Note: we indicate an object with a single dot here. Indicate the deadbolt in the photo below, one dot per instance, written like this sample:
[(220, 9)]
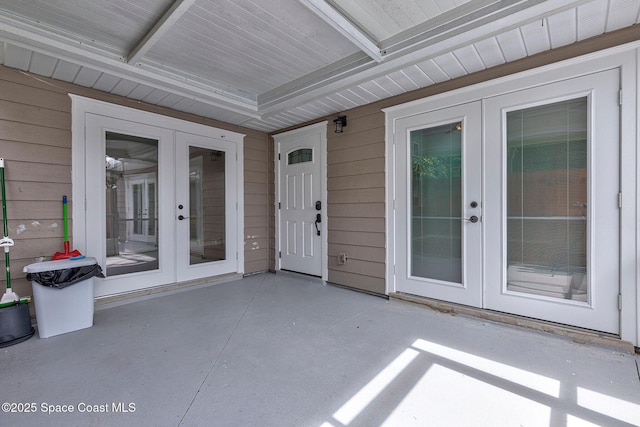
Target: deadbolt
[(474, 204)]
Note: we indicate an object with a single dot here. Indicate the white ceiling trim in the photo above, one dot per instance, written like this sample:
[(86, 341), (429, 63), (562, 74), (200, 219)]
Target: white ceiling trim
[(430, 49), (46, 42), (177, 9), (345, 27)]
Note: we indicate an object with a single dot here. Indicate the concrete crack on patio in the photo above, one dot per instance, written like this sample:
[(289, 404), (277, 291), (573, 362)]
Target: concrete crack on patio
[(215, 362)]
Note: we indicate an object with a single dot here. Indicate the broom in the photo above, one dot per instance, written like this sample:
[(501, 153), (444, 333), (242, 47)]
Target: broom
[(67, 252), (9, 298)]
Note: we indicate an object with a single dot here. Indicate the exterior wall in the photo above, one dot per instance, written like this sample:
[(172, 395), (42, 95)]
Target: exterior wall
[(356, 200), (356, 168), (35, 140)]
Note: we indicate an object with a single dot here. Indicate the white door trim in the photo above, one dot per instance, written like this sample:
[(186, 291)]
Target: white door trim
[(82, 106), (318, 128)]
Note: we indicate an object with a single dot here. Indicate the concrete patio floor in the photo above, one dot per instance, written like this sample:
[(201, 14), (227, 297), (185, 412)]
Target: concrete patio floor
[(279, 350)]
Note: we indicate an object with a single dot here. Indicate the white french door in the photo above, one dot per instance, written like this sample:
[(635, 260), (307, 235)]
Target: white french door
[(118, 153), (162, 205), (539, 168), (551, 204), (439, 200), (205, 206)]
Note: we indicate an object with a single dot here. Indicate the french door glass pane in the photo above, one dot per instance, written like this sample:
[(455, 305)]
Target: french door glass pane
[(131, 169), (207, 222), (436, 240), (547, 200)]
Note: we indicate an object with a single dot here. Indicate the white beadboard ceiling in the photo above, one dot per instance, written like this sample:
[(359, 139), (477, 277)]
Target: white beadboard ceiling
[(268, 65)]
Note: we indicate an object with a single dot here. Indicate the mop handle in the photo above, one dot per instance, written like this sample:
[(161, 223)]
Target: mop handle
[(4, 199), (6, 227), (64, 215)]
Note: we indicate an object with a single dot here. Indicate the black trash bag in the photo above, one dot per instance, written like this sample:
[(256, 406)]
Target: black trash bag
[(65, 276)]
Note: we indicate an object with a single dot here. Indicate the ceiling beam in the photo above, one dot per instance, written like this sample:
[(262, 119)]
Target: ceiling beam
[(345, 27), (516, 14), (84, 54), (177, 9)]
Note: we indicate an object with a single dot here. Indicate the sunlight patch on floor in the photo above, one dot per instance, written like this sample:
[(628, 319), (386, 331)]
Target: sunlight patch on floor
[(609, 405), (461, 388), (368, 393), (518, 376), (445, 397)]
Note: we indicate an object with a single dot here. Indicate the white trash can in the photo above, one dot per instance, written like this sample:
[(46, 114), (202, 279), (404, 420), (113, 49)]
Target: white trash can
[(66, 309)]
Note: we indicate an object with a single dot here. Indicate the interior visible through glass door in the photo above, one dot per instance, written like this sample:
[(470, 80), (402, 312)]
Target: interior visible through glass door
[(207, 219), (131, 169), (547, 200), (436, 194)]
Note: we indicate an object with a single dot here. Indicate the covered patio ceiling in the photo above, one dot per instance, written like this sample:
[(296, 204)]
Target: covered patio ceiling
[(269, 65)]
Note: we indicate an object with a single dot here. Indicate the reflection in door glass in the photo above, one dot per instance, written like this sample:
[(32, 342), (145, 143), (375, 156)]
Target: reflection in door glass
[(207, 221), (436, 162), (547, 200), (131, 169)]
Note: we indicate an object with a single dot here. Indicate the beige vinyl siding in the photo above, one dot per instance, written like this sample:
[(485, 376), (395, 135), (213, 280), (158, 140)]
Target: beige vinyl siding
[(256, 196), (355, 195), (35, 140)]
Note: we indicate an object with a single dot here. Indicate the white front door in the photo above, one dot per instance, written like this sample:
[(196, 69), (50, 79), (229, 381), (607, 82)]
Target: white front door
[(439, 200), (300, 204)]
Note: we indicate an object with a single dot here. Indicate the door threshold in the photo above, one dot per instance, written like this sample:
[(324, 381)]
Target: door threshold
[(302, 276), (109, 301), (575, 334)]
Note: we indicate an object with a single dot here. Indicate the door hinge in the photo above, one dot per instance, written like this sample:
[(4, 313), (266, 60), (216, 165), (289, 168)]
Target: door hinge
[(278, 156), (620, 97), (620, 302), (279, 205), (620, 200), (280, 254)]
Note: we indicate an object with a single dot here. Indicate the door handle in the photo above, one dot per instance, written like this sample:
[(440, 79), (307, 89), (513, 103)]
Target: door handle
[(318, 221), (181, 217), (473, 219)]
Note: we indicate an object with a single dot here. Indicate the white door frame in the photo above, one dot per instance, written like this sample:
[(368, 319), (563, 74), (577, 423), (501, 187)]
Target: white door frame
[(321, 129), (625, 58), (83, 107)]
